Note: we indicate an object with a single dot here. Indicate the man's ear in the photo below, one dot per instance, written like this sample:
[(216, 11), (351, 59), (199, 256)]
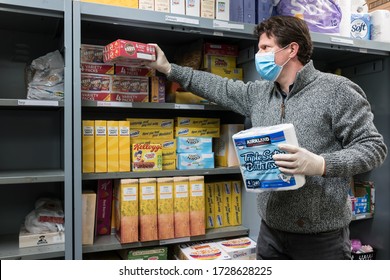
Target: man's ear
[(294, 47)]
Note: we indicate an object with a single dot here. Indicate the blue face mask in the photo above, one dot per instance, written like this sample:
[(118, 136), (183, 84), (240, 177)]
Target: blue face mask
[(266, 66)]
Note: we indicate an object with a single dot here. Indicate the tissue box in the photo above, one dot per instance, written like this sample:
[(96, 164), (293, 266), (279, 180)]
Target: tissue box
[(186, 161)]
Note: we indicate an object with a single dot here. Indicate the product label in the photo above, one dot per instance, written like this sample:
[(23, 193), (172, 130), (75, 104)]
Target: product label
[(256, 163)]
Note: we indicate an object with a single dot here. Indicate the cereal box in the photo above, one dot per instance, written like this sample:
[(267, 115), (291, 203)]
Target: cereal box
[(210, 204), (103, 207), (88, 146), (165, 208), (219, 211), (197, 205), (235, 209), (214, 61), (150, 123), (151, 133), (197, 122), (146, 157), (126, 210), (124, 146), (181, 207), (148, 209), (169, 164), (220, 49), (91, 53), (112, 146), (197, 131), (95, 96), (227, 202), (100, 146), (123, 51)]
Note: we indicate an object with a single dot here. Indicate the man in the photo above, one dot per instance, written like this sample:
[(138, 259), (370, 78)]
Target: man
[(335, 130)]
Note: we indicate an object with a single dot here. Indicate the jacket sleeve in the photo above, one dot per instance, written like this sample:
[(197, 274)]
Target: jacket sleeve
[(363, 146), (228, 93)]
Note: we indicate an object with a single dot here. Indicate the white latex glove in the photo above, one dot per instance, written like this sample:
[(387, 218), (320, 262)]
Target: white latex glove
[(299, 161), (161, 64)]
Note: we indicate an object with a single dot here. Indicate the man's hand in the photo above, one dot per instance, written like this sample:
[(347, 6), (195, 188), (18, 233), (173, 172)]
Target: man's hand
[(299, 161), (161, 64)]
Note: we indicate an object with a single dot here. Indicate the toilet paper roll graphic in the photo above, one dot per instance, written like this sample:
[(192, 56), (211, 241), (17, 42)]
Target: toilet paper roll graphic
[(380, 22), (255, 148)]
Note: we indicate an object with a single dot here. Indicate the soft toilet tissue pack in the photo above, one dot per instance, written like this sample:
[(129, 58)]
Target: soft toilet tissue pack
[(255, 148)]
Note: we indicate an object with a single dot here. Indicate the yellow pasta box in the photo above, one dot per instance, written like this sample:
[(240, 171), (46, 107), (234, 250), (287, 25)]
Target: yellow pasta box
[(124, 146), (121, 3), (197, 122), (126, 210), (150, 123), (236, 208), (219, 216), (210, 205), (169, 164), (181, 207), (100, 146), (88, 146), (165, 208), (146, 157), (197, 205), (148, 209), (112, 146), (227, 202)]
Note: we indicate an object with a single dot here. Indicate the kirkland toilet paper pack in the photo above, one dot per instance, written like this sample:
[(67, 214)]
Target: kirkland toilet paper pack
[(255, 148)]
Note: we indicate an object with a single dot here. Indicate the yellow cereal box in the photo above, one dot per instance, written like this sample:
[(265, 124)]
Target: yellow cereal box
[(210, 205), (230, 73), (219, 215), (165, 208), (146, 157), (126, 210), (88, 146), (227, 202), (124, 146), (197, 122), (151, 133), (147, 209), (169, 164), (122, 3), (197, 205), (112, 146), (168, 146), (219, 61), (150, 123), (197, 131), (100, 146), (181, 207), (236, 204)]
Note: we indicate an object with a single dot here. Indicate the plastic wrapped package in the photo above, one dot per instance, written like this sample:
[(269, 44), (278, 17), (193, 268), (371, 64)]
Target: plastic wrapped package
[(322, 16)]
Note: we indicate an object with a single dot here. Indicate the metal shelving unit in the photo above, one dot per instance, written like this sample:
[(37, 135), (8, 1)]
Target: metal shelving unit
[(36, 150)]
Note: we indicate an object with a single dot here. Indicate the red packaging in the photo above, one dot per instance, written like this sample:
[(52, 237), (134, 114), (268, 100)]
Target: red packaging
[(220, 49), (97, 68), (129, 97), (127, 84), (103, 207), (95, 82), (95, 96), (134, 71), (128, 52), (91, 53)]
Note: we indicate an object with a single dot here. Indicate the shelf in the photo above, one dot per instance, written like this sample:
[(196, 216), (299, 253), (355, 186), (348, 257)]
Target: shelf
[(165, 173), (110, 242), (31, 176), (35, 7), (22, 103), (150, 105), (363, 216), (9, 249)]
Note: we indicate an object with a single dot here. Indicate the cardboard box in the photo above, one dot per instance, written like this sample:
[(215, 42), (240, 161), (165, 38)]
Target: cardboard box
[(178, 7), (214, 61), (100, 146), (219, 211), (104, 198), (242, 248), (210, 205), (224, 151), (112, 146), (28, 239), (222, 8), (220, 49), (187, 161), (193, 8), (88, 146), (156, 253), (95, 83), (97, 68), (197, 131), (121, 3), (133, 71), (95, 96), (162, 6), (129, 84), (146, 157), (169, 164), (151, 133), (129, 97), (146, 5), (227, 202), (197, 205), (202, 251), (88, 217), (197, 122), (128, 52), (91, 53), (230, 73), (374, 5), (124, 146), (150, 123), (157, 89), (165, 208), (148, 209), (235, 208), (207, 9), (203, 145), (126, 210), (181, 206)]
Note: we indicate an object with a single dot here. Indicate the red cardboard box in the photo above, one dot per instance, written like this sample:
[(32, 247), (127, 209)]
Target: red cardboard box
[(220, 49), (128, 51), (103, 207), (95, 82), (134, 71), (95, 96), (129, 97), (97, 68)]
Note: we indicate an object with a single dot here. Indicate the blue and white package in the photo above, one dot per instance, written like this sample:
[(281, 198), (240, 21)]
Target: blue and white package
[(255, 148), (187, 161), (194, 145), (361, 26)]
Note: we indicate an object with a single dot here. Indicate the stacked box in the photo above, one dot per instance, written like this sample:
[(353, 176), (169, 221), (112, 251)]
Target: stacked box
[(88, 217), (129, 89), (147, 209), (197, 205), (103, 206), (194, 145), (219, 210), (197, 122), (91, 53), (181, 206), (121, 3), (236, 203), (225, 153), (201, 251), (187, 161), (242, 248), (128, 52), (197, 131), (193, 8), (126, 210), (124, 146), (133, 71), (88, 146), (156, 253), (227, 202), (162, 6), (28, 239), (112, 146), (207, 8), (100, 146), (165, 208), (210, 205), (146, 157), (222, 8), (157, 89)]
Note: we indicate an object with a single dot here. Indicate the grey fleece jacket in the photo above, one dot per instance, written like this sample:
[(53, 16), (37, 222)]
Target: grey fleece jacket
[(332, 118)]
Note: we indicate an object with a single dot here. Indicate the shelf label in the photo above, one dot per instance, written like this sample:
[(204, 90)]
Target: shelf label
[(182, 20), (227, 25), (341, 40), (175, 240), (187, 106), (114, 104), (28, 102)]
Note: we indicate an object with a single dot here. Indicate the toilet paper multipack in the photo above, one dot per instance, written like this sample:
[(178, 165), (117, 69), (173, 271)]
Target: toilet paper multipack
[(255, 148)]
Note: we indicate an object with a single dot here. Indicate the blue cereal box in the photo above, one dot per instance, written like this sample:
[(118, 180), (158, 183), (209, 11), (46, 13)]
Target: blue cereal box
[(186, 161), (202, 145)]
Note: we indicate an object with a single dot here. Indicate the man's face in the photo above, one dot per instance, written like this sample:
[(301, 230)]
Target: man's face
[(268, 44)]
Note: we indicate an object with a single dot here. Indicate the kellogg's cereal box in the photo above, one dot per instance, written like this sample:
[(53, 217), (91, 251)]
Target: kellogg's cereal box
[(146, 157)]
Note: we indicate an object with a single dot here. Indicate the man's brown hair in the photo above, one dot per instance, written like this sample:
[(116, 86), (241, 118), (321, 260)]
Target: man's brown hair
[(288, 29)]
